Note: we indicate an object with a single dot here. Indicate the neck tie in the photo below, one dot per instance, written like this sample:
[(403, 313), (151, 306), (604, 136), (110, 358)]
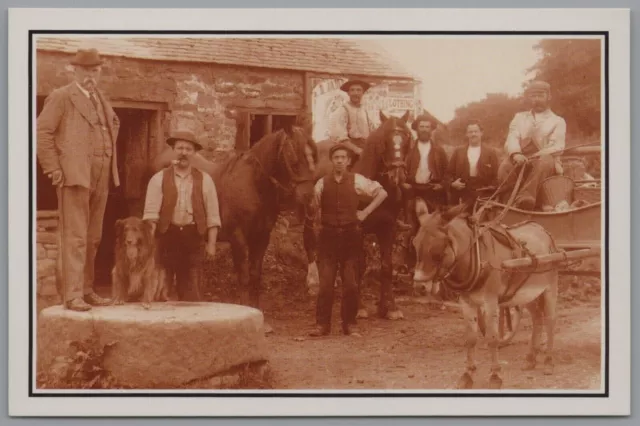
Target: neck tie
[(93, 99)]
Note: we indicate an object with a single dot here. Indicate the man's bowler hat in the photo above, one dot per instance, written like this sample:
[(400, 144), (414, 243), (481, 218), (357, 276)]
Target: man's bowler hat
[(183, 135), (87, 58)]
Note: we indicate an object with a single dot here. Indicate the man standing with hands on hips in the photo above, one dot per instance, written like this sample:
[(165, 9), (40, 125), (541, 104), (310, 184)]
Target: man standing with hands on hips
[(182, 205), (77, 132), (340, 243)]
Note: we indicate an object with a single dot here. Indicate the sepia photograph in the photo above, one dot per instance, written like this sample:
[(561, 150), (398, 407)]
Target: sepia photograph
[(249, 213)]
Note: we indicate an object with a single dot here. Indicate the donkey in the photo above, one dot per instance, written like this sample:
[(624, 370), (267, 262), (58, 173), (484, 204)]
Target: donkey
[(466, 259)]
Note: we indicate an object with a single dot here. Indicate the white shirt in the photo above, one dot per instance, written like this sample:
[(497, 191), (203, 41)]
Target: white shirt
[(473, 155), (350, 122), (423, 174), (546, 129)]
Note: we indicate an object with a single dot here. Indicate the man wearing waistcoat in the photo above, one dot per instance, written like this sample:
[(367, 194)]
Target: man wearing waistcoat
[(340, 243), (533, 137), (350, 123), (182, 205), (76, 137), (472, 167)]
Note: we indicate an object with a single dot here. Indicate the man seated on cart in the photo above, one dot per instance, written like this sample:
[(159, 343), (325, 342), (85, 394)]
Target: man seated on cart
[(473, 168), (534, 136)]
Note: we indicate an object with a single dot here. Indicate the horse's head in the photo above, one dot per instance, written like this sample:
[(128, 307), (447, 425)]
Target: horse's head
[(434, 244), (394, 139), (297, 159)]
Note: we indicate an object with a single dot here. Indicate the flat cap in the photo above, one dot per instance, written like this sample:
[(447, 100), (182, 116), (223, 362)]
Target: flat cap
[(337, 147), (538, 86)]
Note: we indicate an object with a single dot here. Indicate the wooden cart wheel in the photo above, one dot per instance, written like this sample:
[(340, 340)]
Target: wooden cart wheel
[(508, 324)]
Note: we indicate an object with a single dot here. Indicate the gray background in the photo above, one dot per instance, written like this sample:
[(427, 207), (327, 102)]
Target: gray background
[(633, 4)]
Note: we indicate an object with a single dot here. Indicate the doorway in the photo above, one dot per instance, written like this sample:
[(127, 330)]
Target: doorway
[(135, 142)]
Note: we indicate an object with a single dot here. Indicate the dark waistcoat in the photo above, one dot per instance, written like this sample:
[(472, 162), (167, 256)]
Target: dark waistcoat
[(339, 201), (170, 198)]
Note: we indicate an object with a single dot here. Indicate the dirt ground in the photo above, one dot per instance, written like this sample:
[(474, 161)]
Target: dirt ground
[(423, 351)]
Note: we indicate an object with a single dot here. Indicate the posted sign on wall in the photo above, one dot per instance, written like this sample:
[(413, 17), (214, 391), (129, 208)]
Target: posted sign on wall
[(391, 98)]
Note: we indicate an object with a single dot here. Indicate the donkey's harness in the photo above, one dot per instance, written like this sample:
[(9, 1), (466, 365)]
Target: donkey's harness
[(479, 270)]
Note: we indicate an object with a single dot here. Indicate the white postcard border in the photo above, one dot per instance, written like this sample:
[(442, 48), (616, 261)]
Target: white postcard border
[(616, 21)]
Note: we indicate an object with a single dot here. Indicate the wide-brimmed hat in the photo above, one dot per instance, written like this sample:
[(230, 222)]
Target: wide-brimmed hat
[(183, 135), (538, 86), (337, 147), (345, 87), (87, 58), (423, 117)]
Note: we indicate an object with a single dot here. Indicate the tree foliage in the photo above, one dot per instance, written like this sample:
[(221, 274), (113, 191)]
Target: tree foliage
[(572, 67)]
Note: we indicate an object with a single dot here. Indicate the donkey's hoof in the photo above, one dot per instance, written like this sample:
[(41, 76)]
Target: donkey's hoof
[(530, 363), (362, 314), (495, 382), (465, 382), (267, 328), (394, 315)]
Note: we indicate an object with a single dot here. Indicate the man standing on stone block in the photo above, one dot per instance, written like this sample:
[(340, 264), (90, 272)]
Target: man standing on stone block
[(76, 137), (182, 205)]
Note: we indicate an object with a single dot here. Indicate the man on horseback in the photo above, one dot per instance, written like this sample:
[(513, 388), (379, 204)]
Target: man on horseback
[(533, 137), (340, 244), (350, 123)]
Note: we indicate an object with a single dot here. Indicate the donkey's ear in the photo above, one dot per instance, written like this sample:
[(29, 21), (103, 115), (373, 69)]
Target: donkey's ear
[(405, 117), (383, 117), (454, 212), (422, 210)]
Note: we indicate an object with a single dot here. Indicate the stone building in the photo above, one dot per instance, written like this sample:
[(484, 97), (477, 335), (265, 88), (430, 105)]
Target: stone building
[(156, 84)]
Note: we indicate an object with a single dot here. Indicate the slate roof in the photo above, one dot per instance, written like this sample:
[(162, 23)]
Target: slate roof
[(327, 55)]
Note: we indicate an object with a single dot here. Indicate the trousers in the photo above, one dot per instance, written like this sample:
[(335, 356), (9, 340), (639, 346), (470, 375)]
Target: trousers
[(181, 254), (339, 247), (536, 171), (81, 216)]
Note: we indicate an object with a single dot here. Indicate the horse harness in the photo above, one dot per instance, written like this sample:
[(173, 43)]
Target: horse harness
[(294, 181)]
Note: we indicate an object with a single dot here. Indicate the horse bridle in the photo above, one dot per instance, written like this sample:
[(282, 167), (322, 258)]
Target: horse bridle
[(293, 181), (398, 161)]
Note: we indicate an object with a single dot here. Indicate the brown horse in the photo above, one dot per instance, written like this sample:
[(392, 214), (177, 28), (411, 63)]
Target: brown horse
[(382, 160), (250, 188), (446, 253)]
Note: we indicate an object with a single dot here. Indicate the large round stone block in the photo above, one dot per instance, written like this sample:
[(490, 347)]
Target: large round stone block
[(166, 346)]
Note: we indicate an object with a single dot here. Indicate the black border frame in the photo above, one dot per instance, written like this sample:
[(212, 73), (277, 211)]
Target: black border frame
[(353, 394)]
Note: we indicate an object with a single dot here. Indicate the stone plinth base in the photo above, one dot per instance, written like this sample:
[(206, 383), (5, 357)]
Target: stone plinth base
[(167, 346)]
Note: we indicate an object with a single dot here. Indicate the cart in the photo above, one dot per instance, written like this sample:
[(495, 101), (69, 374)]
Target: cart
[(576, 231)]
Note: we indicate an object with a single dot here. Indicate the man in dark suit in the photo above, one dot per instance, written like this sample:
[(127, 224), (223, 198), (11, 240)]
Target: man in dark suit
[(472, 167), (77, 132), (427, 165), (426, 177)]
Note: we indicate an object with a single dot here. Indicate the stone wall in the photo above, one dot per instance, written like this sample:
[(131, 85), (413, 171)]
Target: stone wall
[(195, 94), (47, 252)]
